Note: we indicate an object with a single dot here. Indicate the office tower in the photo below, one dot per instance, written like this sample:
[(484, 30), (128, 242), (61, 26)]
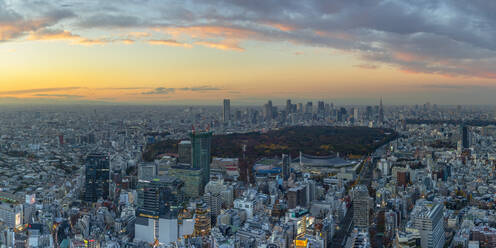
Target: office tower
[(268, 111), (192, 178), (289, 106), (97, 171), (342, 114), (465, 138), (381, 112), (361, 206), (227, 111), (238, 115), (286, 170), (299, 107), (321, 108), (184, 152), (427, 218), (200, 153), (355, 114), (214, 204), (159, 201), (217, 187), (309, 107), (297, 196), (160, 196), (368, 112)]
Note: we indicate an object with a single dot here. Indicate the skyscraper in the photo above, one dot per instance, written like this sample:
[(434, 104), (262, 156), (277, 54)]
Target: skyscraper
[(159, 201), (184, 152), (97, 179), (227, 111), (309, 107), (200, 153), (381, 112), (286, 160), (465, 137), (427, 218), (161, 196), (361, 206), (289, 106), (321, 107), (268, 114)]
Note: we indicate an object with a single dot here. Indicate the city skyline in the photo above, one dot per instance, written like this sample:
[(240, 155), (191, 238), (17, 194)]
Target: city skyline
[(200, 52)]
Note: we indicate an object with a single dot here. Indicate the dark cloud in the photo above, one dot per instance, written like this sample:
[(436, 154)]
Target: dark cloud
[(159, 91), (40, 90), (201, 88), (449, 37), (447, 86), (112, 21), (166, 91), (367, 66)]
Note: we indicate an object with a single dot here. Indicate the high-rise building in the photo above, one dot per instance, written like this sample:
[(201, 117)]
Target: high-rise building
[(192, 179), (227, 111), (184, 152), (361, 206), (381, 112), (427, 218), (159, 201), (299, 107), (201, 143), (289, 106), (355, 114), (309, 107), (321, 108), (286, 170), (368, 112), (97, 180), (161, 196), (268, 111), (214, 203), (465, 138)]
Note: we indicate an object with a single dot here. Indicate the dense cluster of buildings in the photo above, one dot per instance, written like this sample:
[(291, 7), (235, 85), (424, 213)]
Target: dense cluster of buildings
[(76, 177)]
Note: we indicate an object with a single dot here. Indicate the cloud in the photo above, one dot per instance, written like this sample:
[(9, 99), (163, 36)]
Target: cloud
[(13, 25), (224, 45), (453, 38), (159, 91), (367, 66), (110, 21), (39, 90), (124, 88), (166, 91), (201, 88), (450, 86), (59, 95), (174, 43)]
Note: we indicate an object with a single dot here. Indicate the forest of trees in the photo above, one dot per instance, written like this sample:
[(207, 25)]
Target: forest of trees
[(310, 140)]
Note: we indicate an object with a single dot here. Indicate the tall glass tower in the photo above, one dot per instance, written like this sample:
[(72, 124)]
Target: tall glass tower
[(97, 179), (200, 153)]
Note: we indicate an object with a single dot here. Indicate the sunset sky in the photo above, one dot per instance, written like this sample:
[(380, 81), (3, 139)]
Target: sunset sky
[(201, 51)]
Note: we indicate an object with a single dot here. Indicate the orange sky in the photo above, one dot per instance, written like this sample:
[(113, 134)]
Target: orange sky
[(82, 55)]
